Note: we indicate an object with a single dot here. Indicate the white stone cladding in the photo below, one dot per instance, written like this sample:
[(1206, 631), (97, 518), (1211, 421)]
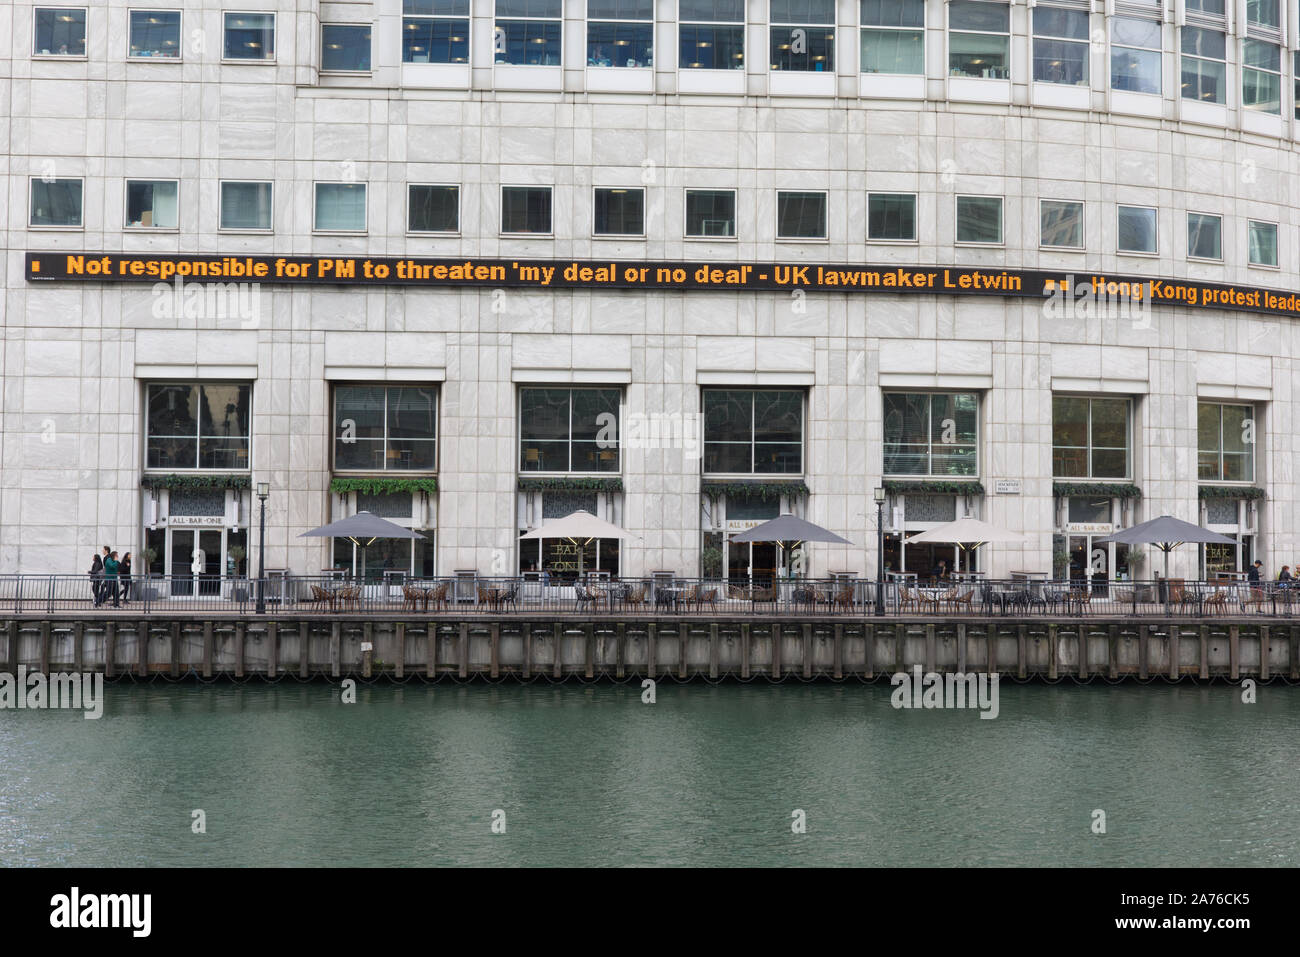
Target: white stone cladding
[(75, 357)]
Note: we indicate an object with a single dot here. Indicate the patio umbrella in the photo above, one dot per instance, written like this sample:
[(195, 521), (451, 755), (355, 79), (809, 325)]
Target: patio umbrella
[(1166, 533), (789, 528), (361, 529), (967, 532), (579, 527)]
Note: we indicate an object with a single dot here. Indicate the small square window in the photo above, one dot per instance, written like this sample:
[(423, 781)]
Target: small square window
[(619, 212), (151, 204), (340, 207), (345, 48), (433, 209), (891, 217), (711, 213), (155, 34), (1204, 236), (1136, 229), (1060, 224), (800, 215), (979, 219), (56, 202), (246, 206), (249, 36), (1263, 243), (526, 209), (60, 31)]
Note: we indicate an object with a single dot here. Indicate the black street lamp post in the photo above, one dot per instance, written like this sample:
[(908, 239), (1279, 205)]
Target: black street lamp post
[(880, 551), (263, 490)]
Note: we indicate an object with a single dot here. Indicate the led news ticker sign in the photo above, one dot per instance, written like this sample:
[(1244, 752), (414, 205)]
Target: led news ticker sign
[(1075, 295)]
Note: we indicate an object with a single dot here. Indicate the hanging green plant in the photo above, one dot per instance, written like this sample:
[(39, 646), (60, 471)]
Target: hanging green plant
[(1229, 491), (933, 487), (570, 484), (174, 481), (383, 486), (1108, 489), (763, 491)]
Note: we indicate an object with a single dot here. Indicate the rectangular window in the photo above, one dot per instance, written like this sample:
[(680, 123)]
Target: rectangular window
[(979, 36), (1061, 46), (1211, 7), (1060, 223), (1136, 229), (1295, 71), (526, 209), (620, 33), (198, 425), (711, 34), (60, 31), (569, 430), (1225, 442), (802, 35), (433, 209), (528, 32), (1204, 66), (749, 431), (1204, 236), (386, 428), (1090, 437), (891, 217), (1263, 243), (893, 36), (155, 33), (1261, 76), (931, 434), (1263, 13), (56, 202), (435, 31), (711, 212), (979, 219), (245, 205), (345, 47), (800, 215), (619, 211), (151, 204), (1135, 48), (249, 36), (340, 207)]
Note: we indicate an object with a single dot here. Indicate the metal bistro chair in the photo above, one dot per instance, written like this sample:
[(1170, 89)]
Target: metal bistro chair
[(583, 596)]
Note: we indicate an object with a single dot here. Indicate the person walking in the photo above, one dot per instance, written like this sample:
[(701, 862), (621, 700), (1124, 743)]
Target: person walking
[(111, 567), (1253, 573), (124, 572), (96, 574)]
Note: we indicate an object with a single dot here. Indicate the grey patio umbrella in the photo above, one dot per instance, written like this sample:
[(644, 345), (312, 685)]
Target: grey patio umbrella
[(789, 528), (361, 529), (1166, 533), (579, 527)]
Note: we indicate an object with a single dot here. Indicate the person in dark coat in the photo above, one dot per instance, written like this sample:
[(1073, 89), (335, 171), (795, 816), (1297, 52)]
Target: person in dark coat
[(124, 572), (111, 566), (1252, 575), (97, 578)]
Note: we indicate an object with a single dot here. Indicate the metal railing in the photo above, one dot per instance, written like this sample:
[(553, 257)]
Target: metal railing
[(660, 595)]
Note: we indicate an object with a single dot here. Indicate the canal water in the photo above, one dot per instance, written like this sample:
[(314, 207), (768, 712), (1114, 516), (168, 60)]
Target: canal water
[(417, 774)]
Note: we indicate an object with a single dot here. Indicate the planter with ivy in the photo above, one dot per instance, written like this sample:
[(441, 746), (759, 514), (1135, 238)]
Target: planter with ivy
[(933, 487), (762, 491), (1248, 492), (1123, 490), (187, 482), (557, 484), (383, 486)]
